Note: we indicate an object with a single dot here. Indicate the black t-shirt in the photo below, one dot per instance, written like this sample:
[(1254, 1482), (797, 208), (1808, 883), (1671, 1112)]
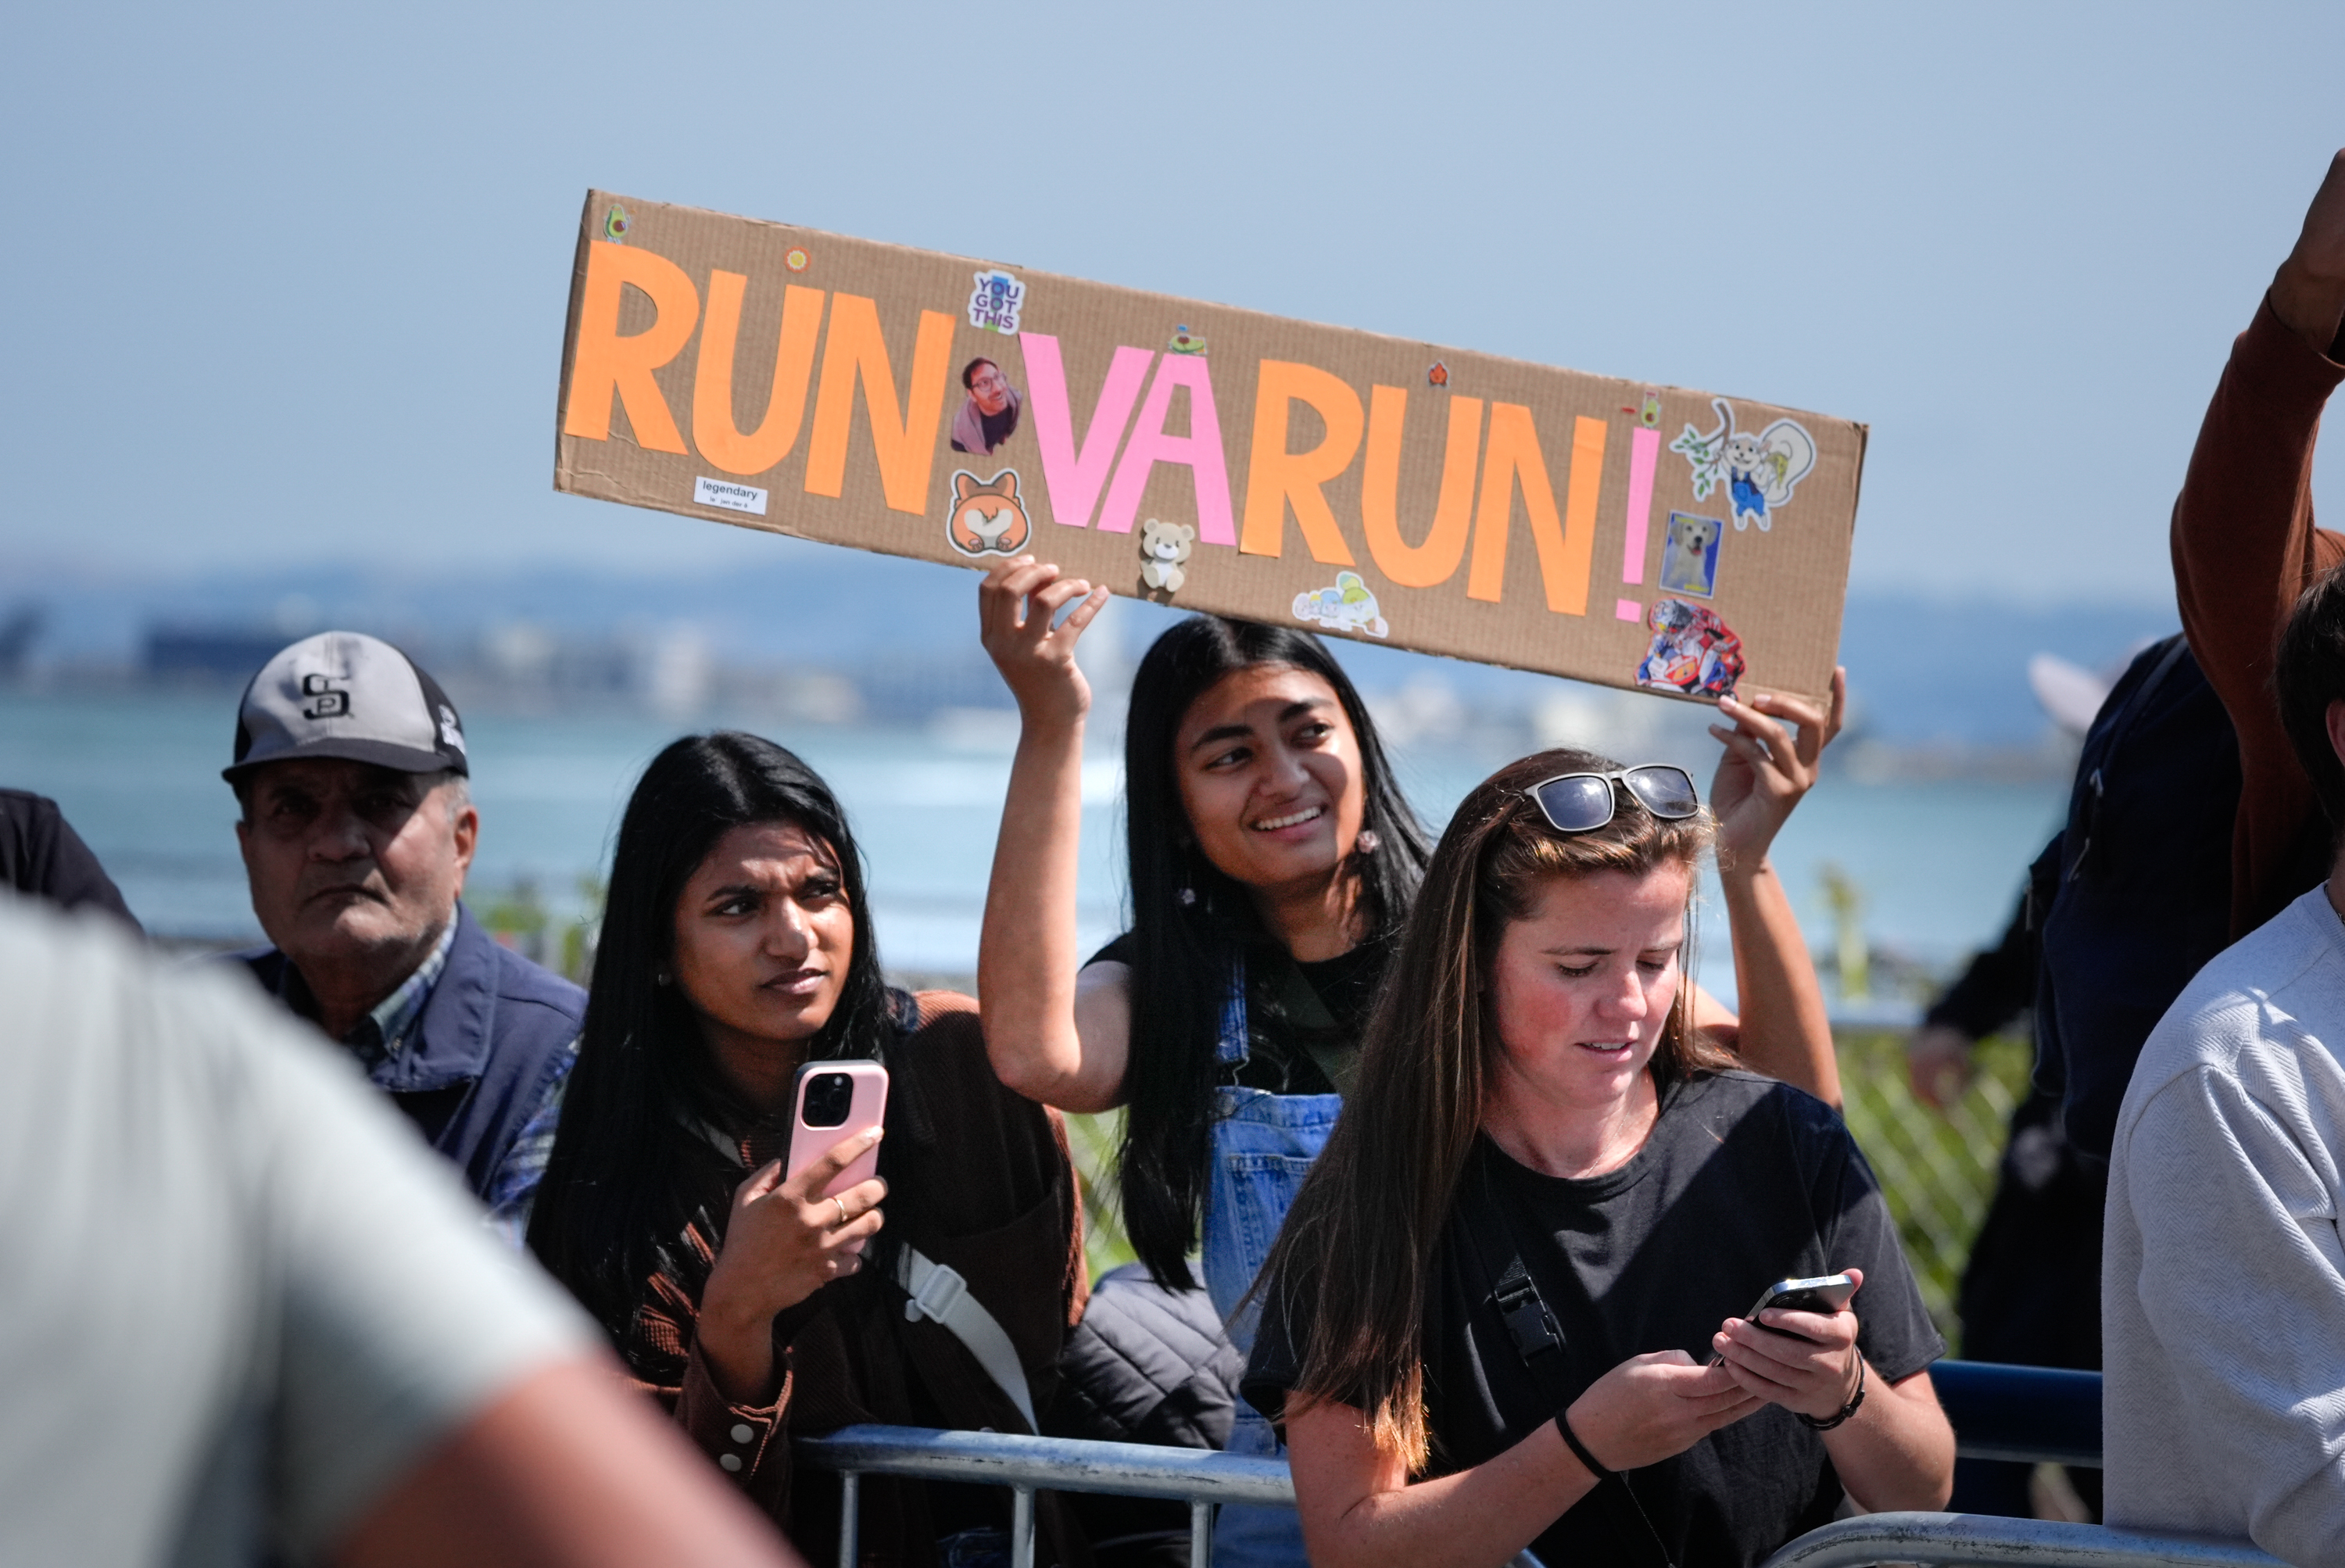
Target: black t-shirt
[(1743, 1181), (1278, 1044)]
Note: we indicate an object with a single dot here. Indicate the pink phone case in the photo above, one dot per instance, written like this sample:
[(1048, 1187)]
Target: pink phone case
[(864, 1111)]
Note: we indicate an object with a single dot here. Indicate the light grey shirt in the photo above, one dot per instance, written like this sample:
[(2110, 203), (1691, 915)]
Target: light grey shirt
[(2223, 1273), (238, 1299)]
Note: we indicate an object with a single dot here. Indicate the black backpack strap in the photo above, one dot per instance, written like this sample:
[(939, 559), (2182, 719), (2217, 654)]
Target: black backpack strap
[(1539, 1340), (1317, 1027)]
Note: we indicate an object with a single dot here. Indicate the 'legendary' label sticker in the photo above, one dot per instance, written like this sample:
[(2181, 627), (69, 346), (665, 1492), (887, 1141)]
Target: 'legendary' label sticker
[(733, 497)]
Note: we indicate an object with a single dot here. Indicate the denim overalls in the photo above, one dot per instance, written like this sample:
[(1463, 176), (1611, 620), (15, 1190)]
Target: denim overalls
[(1262, 1146)]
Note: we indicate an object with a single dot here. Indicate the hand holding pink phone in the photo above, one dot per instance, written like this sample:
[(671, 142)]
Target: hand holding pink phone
[(830, 1103)]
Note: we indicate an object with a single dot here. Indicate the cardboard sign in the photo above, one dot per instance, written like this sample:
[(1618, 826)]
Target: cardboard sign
[(1212, 458)]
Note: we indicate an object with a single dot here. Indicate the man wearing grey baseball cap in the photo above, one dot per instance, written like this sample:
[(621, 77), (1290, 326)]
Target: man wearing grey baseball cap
[(357, 830)]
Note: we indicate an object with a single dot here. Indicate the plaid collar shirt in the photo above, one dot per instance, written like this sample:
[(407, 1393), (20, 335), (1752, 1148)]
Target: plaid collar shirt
[(383, 1032)]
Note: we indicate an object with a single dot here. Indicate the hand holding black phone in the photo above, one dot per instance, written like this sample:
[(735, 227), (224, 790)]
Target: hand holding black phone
[(1827, 1293)]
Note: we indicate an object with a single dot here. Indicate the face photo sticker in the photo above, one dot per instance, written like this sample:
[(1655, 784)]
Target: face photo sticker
[(1692, 651), (1163, 548), (989, 415), (1759, 471), (1348, 606), (1689, 557), (987, 517), (994, 303)]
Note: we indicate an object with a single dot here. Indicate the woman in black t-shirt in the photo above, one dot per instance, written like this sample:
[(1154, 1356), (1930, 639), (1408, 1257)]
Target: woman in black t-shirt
[(1489, 1320)]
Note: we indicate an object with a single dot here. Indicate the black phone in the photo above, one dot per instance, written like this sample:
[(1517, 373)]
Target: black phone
[(1826, 1293)]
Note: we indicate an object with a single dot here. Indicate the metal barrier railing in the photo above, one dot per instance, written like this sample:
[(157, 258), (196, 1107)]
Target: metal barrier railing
[(2023, 1413), (1937, 1539), (1199, 1476)]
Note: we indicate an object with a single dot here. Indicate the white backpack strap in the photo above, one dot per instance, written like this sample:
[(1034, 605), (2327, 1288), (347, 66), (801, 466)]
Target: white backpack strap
[(938, 1291)]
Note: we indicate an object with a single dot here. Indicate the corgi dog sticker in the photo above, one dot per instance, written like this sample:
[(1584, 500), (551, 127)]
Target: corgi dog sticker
[(988, 518)]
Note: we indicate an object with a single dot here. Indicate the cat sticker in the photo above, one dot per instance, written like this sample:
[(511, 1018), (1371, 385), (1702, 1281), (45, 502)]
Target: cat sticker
[(988, 518)]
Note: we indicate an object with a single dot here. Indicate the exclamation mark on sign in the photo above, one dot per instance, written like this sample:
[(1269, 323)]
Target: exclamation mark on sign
[(1644, 453)]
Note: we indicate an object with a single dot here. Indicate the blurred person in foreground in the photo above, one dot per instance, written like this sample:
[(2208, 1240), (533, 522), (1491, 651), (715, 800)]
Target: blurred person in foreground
[(2223, 1284), (357, 830), (739, 946), (40, 854), (248, 1321)]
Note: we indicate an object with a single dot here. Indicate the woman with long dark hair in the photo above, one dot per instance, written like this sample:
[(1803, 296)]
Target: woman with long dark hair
[(1501, 1312), (1271, 861), (737, 945)]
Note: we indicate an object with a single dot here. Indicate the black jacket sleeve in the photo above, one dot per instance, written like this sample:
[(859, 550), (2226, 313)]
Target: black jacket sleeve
[(40, 854)]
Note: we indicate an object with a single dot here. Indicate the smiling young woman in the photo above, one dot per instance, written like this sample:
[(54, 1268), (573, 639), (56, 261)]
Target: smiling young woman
[(737, 944)]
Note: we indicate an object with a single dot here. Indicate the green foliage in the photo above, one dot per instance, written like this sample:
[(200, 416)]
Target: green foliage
[(1937, 1170), (1094, 1140)]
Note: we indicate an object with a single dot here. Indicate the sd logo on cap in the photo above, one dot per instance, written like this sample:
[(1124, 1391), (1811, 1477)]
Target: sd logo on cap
[(347, 694)]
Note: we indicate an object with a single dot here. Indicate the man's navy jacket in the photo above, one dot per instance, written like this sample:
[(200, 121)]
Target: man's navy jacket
[(493, 1040)]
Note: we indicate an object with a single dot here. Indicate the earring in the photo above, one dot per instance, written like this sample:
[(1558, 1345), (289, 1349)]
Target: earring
[(663, 978), (1188, 897), (1367, 842)]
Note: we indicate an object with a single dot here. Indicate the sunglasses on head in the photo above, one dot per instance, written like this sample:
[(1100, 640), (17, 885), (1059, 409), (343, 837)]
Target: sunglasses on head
[(1583, 803)]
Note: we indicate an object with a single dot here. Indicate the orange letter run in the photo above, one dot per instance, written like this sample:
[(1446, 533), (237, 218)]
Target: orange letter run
[(904, 448), (713, 430), (1564, 551), (606, 362), (1435, 560), (1277, 476)]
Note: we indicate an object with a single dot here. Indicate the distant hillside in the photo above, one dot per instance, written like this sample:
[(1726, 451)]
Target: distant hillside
[(1923, 672)]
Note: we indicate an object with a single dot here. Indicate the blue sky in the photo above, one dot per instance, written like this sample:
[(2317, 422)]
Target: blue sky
[(288, 281)]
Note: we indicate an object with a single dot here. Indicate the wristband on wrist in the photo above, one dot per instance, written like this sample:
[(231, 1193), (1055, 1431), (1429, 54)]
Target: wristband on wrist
[(1579, 1450), (1846, 1410)]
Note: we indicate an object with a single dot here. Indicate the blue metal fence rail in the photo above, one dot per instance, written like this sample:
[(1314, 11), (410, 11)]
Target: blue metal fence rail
[(2023, 1413), (2033, 1414)]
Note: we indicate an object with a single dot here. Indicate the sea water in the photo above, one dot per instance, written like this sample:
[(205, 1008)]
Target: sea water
[(1938, 865)]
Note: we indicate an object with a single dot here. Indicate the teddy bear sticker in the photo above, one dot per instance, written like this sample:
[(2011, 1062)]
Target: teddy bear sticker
[(987, 517), (1163, 546)]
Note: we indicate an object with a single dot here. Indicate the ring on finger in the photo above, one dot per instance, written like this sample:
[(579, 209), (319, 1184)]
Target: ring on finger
[(842, 1208)]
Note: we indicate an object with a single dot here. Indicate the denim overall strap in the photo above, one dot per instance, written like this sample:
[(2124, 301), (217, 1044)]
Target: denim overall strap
[(1262, 1146)]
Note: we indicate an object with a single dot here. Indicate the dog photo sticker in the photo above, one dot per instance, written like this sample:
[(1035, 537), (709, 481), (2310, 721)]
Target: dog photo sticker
[(1759, 471), (1692, 651), (987, 518), (1690, 557), (1348, 606)]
